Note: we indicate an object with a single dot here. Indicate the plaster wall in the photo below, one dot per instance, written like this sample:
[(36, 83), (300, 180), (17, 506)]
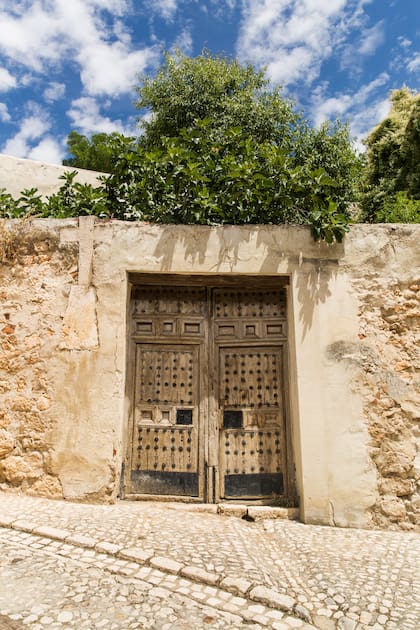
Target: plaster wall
[(17, 174), (64, 291)]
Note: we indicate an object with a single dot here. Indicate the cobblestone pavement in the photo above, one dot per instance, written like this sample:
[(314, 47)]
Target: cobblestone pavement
[(148, 565)]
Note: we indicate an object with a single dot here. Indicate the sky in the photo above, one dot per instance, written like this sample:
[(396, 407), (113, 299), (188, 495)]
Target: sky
[(74, 64)]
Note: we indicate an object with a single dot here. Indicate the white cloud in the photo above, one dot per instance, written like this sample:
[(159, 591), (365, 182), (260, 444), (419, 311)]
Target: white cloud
[(85, 115), (413, 64), (7, 81), (48, 150), (32, 127), (404, 42), (340, 105), (184, 42), (109, 69), (55, 91), (371, 39), (4, 113), (291, 37), (363, 108), (42, 34), (164, 8)]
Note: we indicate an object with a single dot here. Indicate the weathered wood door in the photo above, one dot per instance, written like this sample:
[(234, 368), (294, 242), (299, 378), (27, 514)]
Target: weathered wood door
[(208, 391), (169, 328), (249, 332)]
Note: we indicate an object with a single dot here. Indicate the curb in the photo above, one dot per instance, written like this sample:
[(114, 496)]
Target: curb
[(236, 586)]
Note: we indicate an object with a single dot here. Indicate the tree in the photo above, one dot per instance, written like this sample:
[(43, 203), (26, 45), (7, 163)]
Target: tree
[(219, 89), (392, 176), (219, 146), (97, 153)]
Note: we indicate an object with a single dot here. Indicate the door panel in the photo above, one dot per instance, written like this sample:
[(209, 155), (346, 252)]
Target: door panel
[(250, 391), (166, 420), (208, 417)]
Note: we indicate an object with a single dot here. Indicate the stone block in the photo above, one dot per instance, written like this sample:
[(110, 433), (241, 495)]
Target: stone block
[(80, 329), (200, 575), (17, 469), (46, 486), (51, 532), (24, 526), (166, 564), (7, 443), (272, 598), (399, 487), (302, 612), (107, 547), (345, 623), (260, 512), (324, 623), (79, 540), (135, 554), (239, 586), (230, 509), (394, 508)]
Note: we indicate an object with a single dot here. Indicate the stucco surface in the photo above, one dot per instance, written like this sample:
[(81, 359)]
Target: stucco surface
[(63, 356), (18, 174)]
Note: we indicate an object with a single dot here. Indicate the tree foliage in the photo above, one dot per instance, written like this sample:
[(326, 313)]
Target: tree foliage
[(392, 175), (220, 90), (97, 153), (219, 146)]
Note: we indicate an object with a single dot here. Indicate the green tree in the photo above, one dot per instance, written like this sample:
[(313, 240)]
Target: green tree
[(228, 94), (220, 146), (97, 153), (392, 176)]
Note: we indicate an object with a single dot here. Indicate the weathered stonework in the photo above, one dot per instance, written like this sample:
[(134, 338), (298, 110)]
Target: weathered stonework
[(354, 363), (392, 398), (34, 275)]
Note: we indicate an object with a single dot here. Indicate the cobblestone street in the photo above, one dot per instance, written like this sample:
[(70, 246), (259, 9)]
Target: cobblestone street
[(162, 566)]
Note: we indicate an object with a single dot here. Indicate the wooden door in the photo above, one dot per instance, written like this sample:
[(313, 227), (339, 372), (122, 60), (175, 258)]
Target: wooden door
[(208, 419), (250, 333), (168, 330)]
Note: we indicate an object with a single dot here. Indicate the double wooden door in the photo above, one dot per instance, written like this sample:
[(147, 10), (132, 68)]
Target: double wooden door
[(208, 392)]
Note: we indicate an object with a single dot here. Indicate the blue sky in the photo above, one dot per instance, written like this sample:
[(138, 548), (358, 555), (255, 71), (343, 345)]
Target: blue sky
[(72, 64)]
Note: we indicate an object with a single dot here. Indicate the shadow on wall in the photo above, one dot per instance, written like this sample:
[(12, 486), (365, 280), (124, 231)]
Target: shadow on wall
[(313, 288), (267, 250)]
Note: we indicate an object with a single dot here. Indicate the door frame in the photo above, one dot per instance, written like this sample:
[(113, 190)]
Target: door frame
[(209, 482)]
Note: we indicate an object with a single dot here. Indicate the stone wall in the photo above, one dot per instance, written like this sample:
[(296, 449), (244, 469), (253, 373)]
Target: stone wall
[(390, 362), (36, 271), (354, 365)]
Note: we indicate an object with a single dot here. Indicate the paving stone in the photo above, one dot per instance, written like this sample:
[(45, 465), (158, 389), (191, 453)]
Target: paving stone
[(345, 623), (302, 612), (139, 555), (260, 512), (166, 564), (231, 509), (24, 526), (195, 573), (337, 572), (51, 532), (272, 598), (107, 547), (236, 585), (323, 623), (81, 540)]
